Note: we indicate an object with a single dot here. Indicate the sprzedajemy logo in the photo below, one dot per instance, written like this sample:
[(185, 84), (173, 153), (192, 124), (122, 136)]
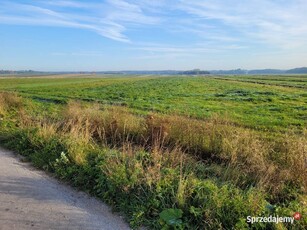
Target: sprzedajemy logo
[(274, 219)]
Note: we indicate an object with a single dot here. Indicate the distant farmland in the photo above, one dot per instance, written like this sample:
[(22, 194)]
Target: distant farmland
[(172, 152), (259, 102)]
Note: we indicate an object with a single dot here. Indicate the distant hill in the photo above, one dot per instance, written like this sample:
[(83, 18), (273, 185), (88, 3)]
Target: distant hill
[(266, 71), (302, 70), (297, 70), (233, 71)]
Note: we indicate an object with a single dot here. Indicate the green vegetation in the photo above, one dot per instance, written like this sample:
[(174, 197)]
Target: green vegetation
[(263, 103), (168, 152)]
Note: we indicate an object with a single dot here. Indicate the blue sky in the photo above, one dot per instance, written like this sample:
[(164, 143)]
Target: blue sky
[(94, 35)]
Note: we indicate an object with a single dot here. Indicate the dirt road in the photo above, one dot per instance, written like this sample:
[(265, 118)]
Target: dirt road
[(29, 199)]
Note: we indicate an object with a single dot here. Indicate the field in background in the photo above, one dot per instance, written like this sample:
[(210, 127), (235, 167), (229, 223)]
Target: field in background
[(169, 152), (259, 102)]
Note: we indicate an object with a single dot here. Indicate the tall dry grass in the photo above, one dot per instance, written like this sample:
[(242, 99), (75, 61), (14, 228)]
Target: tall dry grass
[(113, 125), (9, 101), (242, 152), (246, 157)]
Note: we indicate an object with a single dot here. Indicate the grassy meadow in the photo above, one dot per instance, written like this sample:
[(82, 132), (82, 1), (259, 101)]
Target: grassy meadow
[(257, 102), (169, 152)]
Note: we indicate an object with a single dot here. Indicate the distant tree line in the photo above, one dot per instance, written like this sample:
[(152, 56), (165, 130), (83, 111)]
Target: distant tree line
[(195, 72), (16, 72)]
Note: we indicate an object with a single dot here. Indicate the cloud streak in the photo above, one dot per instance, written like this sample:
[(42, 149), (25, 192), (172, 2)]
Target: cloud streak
[(214, 23), (109, 19), (278, 23)]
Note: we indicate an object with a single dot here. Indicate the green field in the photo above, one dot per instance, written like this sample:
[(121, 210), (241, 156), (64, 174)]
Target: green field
[(168, 152), (259, 102)]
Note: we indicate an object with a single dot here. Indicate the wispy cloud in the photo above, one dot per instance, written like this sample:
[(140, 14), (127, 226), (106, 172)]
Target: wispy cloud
[(217, 24), (198, 48), (279, 23), (109, 19), (164, 52)]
